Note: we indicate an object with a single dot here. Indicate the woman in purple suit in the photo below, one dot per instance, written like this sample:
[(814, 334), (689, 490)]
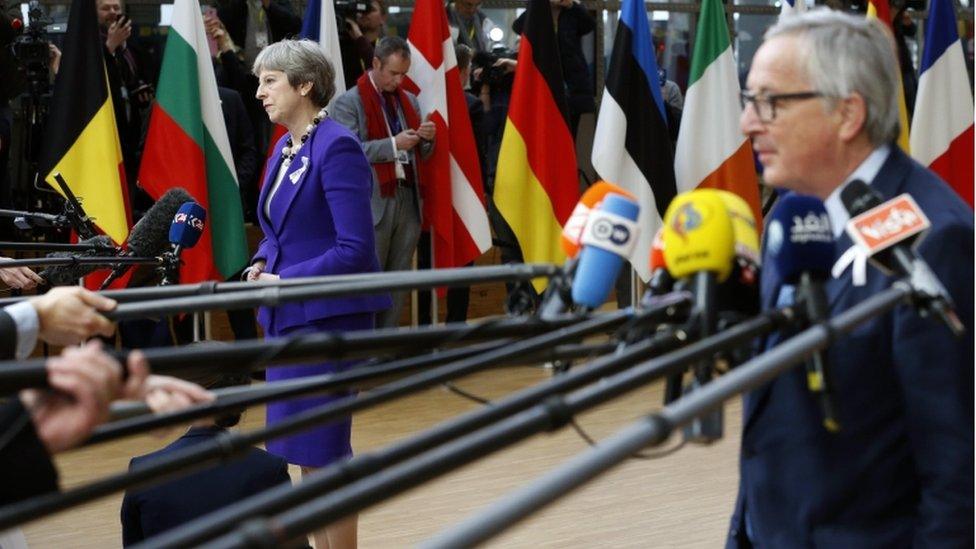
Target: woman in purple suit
[(315, 213)]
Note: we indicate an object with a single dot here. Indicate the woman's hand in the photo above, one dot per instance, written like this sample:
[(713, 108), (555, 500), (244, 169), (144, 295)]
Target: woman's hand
[(255, 271), (265, 277)]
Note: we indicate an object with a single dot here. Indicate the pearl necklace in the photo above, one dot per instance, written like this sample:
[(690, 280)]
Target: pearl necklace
[(289, 151)]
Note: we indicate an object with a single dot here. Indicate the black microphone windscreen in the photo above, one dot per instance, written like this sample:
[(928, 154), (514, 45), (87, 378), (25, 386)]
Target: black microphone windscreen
[(858, 197), (151, 234), (68, 275)]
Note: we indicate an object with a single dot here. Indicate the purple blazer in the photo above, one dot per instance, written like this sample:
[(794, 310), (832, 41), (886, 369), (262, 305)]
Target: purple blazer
[(320, 224)]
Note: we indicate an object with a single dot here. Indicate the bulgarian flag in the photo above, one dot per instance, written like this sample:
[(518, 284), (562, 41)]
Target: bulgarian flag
[(942, 127), (878, 9), (536, 185), (711, 150), (451, 178), (187, 146)]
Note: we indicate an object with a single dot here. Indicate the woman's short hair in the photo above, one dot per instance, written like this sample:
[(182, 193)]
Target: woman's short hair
[(302, 61), (848, 54)]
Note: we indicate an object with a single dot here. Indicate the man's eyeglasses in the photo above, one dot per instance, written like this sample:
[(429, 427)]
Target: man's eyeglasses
[(766, 104)]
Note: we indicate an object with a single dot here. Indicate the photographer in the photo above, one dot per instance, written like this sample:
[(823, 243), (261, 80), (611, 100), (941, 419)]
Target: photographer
[(572, 23), (364, 23)]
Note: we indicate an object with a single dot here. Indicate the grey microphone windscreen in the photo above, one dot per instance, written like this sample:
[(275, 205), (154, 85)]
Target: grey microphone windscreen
[(150, 235)]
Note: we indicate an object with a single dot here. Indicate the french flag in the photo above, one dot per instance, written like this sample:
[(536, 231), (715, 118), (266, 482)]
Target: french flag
[(942, 127)]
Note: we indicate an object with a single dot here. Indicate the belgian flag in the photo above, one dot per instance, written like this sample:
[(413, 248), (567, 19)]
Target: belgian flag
[(81, 138), (536, 183)]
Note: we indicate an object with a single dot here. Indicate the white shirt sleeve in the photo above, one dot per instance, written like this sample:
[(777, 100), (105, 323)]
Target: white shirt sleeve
[(28, 326)]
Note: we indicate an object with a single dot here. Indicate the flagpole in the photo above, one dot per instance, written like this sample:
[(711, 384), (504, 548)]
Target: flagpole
[(433, 291)]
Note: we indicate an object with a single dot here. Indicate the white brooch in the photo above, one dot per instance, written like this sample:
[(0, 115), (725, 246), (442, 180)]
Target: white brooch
[(297, 174)]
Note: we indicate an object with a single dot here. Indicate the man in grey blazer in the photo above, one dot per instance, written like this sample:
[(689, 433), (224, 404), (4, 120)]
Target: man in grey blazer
[(388, 121)]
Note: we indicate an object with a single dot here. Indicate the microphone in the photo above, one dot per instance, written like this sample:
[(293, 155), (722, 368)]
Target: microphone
[(740, 293), (148, 236), (68, 275), (661, 281), (184, 232), (800, 243), (887, 231), (608, 238), (573, 229), (557, 298), (699, 245)]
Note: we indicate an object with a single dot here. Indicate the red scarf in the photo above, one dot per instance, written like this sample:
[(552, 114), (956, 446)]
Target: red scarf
[(376, 128)]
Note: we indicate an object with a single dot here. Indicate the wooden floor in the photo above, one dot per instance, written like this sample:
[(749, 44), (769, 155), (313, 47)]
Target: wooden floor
[(682, 500)]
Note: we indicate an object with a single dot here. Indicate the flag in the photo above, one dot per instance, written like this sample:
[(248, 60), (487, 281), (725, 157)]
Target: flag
[(82, 138), (451, 177), (187, 146), (878, 9), (790, 7), (536, 186), (942, 127), (712, 152), (632, 147), (320, 25)]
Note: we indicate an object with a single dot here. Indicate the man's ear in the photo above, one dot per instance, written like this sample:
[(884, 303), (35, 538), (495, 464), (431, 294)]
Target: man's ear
[(854, 115), (377, 64)]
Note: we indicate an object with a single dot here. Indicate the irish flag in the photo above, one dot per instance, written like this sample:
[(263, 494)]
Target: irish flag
[(711, 150), (942, 128), (187, 146)]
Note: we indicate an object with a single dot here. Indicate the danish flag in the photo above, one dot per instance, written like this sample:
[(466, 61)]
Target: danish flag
[(454, 204)]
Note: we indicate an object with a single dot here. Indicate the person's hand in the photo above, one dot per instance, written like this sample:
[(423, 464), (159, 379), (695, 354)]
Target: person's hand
[(254, 273), (118, 33), (217, 31), (19, 278), (70, 314), (406, 140), (54, 58), (161, 393), (427, 129), (267, 277), (83, 381), (508, 64), (354, 30)]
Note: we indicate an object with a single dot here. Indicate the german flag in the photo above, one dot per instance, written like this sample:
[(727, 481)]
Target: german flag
[(536, 183), (81, 138)]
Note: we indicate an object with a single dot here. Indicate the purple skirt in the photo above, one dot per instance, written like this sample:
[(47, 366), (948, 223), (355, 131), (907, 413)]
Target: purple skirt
[(328, 443)]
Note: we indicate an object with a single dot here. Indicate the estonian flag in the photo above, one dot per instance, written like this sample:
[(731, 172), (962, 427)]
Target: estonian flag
[(632, 146)]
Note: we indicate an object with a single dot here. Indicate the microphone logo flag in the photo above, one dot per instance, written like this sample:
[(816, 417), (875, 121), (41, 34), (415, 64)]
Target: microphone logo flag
[(811, 228), (888, 224), (609, 231), (687, 218), (184, 218), (698, 235)]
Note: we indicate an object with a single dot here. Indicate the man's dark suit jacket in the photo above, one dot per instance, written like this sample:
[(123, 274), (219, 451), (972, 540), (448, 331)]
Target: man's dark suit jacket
[(900, 473), (25, 466), (159, 508)]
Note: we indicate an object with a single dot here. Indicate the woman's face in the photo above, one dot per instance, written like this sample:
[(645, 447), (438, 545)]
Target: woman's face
[(280, 99)]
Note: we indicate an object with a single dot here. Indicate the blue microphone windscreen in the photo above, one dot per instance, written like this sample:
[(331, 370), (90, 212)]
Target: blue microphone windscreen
[(610, 232), (799, 238), (187, 225)]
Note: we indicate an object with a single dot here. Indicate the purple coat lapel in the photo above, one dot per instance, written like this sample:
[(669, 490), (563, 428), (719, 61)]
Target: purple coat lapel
[(283, 199)]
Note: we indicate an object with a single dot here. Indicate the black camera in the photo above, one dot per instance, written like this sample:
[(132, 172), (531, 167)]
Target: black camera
[(32, 49), (490, 74), (350, 9)]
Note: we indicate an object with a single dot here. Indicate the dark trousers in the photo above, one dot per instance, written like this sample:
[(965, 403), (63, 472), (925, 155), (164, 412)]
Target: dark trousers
[(457, 298)]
